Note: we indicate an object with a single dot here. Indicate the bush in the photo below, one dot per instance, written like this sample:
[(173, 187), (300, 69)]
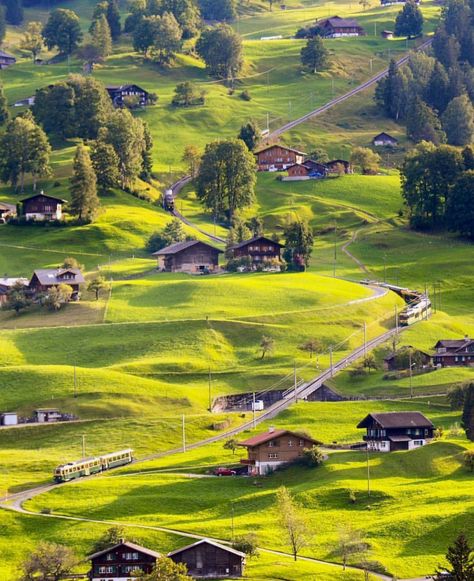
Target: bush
[(247, 544), (234, 264), (245, 95), (312, 457)]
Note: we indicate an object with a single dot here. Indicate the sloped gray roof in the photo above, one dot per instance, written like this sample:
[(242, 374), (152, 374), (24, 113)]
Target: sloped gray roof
[(52, 276), (132, 546), (208, 542), (180, 246), (398, 420)]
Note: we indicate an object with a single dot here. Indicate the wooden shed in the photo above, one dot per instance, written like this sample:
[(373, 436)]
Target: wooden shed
[(207, 559)]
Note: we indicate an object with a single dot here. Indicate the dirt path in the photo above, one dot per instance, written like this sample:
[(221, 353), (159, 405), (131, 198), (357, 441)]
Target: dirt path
[(348, 253)]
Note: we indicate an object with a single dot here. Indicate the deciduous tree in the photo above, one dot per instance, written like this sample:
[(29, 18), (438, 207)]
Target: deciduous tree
[(63, 31), (267, 345), (366, 160), (13, 12), (17, 299), (468, 412), (291, 521), (32, 40), (48, 562), (221, 49), (111, 537), (250, 134), (468, 458), (299, 240), (458, 121), (423, 123), (314, 55), (4, 112), (57, 296), (312, 346), (192, 158), (409, 21), (97, 285), (223, 11), (167, 570)]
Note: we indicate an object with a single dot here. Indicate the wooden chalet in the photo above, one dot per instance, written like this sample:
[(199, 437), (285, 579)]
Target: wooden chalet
[(387, 34), (6, 60), (45, 278), (384, 140), (6, 284), (454, 353), (119, 94), (336, 27), (121, 561), (336, 165), (7, 211), (42, 207), (390, 431), (274, 448), (206, 559), (399, 360), (191, 256), (259, 249), (278, 158), (307, 170)]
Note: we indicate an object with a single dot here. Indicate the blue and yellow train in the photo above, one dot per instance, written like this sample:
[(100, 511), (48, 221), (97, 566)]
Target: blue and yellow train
[(88, 466)]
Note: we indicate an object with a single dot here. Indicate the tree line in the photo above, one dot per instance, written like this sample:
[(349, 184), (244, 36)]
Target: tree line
[(433, 95)]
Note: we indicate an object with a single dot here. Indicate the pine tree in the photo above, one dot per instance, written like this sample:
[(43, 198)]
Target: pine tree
[(147, 159), (113, 18), (250, 134), (105, 163), (4, 112), (314, 55), (460, 559), (3, 25), (437, 90), (468, 412), (460, 209), (409, 20), (458, 121), (423, 124), (101, 37), (13, 12), (84, 200)]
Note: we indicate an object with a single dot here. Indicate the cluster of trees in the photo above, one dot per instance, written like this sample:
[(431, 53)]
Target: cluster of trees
[(220, 47), (434, 95), (437, 186), (187, 94), (173, 232)]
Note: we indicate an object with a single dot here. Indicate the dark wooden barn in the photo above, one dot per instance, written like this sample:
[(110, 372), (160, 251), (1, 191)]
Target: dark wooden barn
[(121, 561), (206, 559), (259, 249), (191, 256)]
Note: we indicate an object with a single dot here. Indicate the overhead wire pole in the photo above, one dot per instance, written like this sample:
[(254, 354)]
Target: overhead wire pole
[(75, 381), (295, 382), (335, 249), (330, 361), (184, 432), (410, 373), (83, 445), (253, 411), (368, 470), (210, 389)]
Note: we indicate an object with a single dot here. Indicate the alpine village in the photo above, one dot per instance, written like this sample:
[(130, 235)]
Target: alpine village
[(237, 290)]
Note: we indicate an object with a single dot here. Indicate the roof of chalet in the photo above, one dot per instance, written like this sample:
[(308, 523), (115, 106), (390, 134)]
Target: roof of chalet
[(402, 349), (208, 542), (337, 21), (52, 276), (267, 436), (129, 546), (385, 136), (397, 420), (453, 344), (282, 147), (123, 87), (254, 239), (6, 55), (43, 195), (5, 206), (11, 282), (181, 246), (334, 161)]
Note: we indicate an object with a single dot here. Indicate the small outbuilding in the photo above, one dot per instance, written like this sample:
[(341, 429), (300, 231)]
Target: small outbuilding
[(6, 60), (42, 207), (7, 211), (47, 415), (387, 34), (9, 419), (384, 140), (206, 559), (391, 431), (338, 166), (191, 256), (307, 170)]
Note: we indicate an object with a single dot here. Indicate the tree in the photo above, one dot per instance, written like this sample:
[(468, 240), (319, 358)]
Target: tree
[(461, 560), (71, 262), (48, 562), (62, 30), (3, 24), (350, 544), (299, 240), (171, 233), (312, 346), (460, 205), (111, 537), (166, 569), (250, 134), (456, 396), (468, 412), (291, 521), (409, 21), (231, 444), (192, 158), (13, 12), (247, 544), (221, 49), (314, 56), (113, 19), (366, 160), (223, 11), (267, 345), (255, 225), (391, 92), (369, 362), (24, 148), (186, 94), (446, 47), (98, 284), (468, 458), (422, 123), (320, 155), (458, 121), (126, 135), (167, 40), (17, 298), (312, 457), (56, 297), (101, 36), (105, 163), (32, 40), (226, 178), (186, 12), (84, 199), (437, 89), (4, 112), (144, 34)]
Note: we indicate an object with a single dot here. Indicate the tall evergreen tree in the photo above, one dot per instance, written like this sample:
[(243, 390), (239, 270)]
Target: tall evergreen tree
[(391, 92), (314, 55), (186, 13), (461, 560), (147, 159), (4, 112), (13, 12), (113, 19), (250, 134), (460, 208), (458, 121), (105, 163), (437, 90), (468, 412), (84, 199), (409, 21), (423, 124), (446, 47), (101, 37), (3, 24)]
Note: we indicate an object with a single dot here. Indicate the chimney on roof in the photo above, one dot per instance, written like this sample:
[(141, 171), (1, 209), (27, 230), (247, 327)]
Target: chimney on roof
[(271, 429), (122, 541), (466, 337)]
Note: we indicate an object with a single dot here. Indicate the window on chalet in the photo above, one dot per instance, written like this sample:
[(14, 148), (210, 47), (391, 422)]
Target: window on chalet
[(290, 443), (110, 557), (130, 568), (130, 556), (301, 443), (273, 455), (273, 443), (104, 569)]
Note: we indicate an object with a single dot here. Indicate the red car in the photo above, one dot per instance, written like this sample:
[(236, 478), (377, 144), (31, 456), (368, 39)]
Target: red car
[(224, 472)]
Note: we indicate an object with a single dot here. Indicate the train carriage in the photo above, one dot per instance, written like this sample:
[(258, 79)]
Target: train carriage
[(94, 465)]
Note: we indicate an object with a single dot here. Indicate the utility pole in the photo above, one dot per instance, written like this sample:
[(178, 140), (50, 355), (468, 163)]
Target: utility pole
[(83, 445), (75, 381), (410, 373), (184, 432), (335, 249), (253, 410), (426, 296), (330, 360), (295, 382), (385, 268), (268, 122), (232, 519), (210, 389), (371, 64), (368, 470), (365, 339), (375, 28), (396, 319)]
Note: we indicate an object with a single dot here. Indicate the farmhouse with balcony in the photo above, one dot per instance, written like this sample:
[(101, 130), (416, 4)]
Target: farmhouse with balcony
[(120, 561), (191, 256), (6, 284), (120, 93), (390, 431), (454, 353), (336, 27), (307, 170), (337, 166), (45, 278), (207, 559), (42, 207), (259, 249), (274, 448), (278, 158), (6, 60), (384, 140)]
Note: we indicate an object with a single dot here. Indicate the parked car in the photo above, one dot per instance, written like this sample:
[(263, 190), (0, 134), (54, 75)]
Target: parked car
[(224, 472)]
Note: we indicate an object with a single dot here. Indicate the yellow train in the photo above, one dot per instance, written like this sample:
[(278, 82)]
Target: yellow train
[(88, 466)]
